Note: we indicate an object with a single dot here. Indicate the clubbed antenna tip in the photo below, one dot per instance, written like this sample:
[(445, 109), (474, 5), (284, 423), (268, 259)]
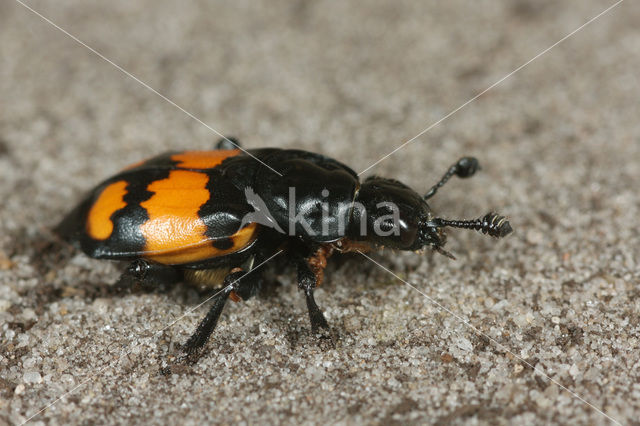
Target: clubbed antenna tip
[(464, 168), (496, 225), (491, 224)]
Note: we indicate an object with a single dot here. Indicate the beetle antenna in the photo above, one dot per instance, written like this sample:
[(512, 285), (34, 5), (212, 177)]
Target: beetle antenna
[(492, 224), (464, 168)]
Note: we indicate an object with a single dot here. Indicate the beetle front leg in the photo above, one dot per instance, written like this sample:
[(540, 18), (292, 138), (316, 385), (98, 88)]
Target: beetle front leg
[(307, 282)]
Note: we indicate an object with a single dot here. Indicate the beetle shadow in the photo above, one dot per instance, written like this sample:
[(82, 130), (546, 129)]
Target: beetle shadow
[(293, 322), (48, 255)]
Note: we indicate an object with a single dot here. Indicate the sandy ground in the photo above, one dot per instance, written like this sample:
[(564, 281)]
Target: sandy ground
[(559, 142)]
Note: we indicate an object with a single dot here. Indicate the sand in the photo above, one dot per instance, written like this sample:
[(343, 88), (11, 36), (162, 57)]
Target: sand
[(539, 328)]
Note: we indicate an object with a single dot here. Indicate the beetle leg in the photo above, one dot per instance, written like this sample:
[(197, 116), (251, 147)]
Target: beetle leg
[(307, 282), (148, 275), (237, 285), (318, 261), (206, 326), (228, 143)]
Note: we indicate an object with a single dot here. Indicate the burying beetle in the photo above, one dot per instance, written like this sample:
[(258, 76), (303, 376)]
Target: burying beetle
[(209, 217)]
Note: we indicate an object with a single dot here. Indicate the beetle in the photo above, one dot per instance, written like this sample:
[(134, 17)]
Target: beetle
[(211, 217)]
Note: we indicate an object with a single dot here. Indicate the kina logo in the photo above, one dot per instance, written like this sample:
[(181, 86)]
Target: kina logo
[(261, 214)]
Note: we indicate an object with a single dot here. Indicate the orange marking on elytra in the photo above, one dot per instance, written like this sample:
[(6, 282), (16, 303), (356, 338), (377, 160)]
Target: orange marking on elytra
[(203, 159), (173, 211), (175, 233), (110, 200)]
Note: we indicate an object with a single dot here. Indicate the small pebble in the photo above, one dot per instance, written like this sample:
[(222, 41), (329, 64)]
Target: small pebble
[(32, 377)]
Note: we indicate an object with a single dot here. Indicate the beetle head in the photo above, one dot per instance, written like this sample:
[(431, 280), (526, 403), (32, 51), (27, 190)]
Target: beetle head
[(389, 213)]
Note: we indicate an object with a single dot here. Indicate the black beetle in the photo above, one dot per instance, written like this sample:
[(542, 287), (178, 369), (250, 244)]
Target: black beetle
[(209, 217)]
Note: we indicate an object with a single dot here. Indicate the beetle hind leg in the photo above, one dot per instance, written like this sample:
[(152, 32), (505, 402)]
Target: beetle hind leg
[(228, 143), (141, 274)]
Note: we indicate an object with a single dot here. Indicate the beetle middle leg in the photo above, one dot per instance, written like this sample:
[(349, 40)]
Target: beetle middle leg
[(238, 285)]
